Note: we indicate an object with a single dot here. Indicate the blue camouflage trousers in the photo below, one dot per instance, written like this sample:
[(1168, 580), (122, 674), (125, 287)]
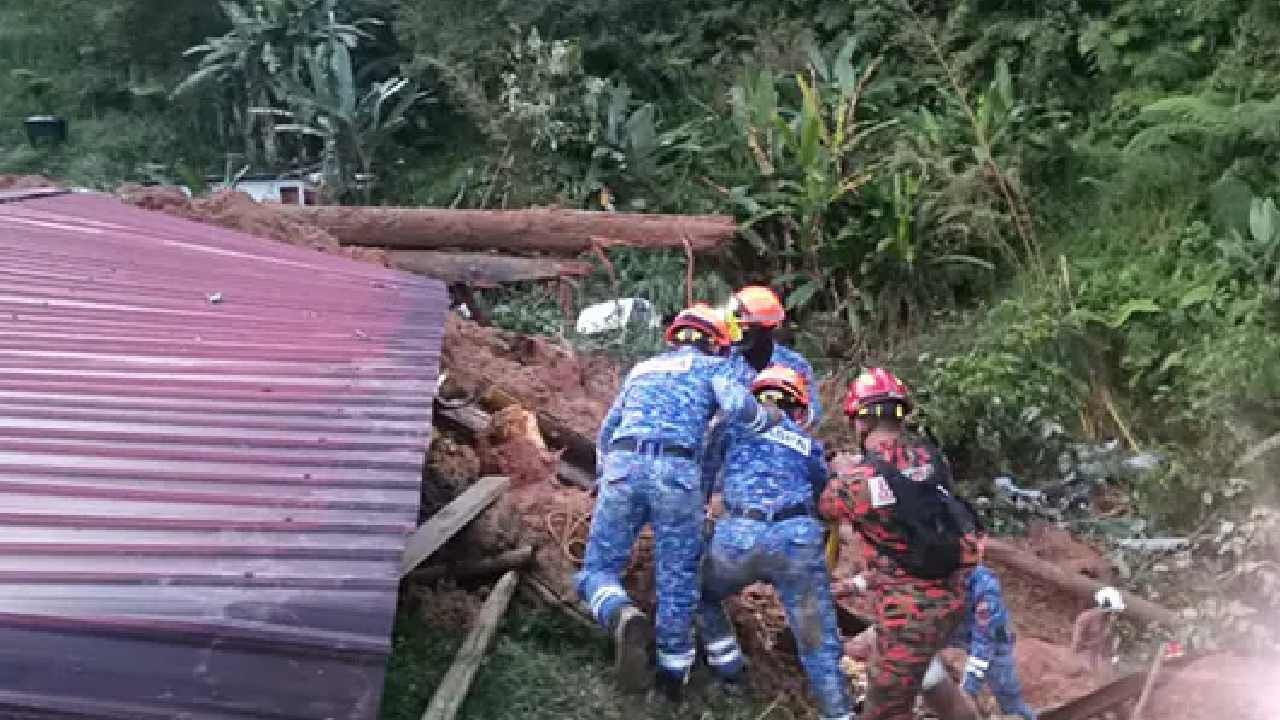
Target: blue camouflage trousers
[(1002, 678), (790, 556), (663, 491)]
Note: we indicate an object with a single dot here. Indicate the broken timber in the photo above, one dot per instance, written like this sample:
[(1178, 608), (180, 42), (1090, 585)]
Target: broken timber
[(453, 689), (436, 531), (563, 231), (476, 421), (578, 448), (509, 560), (485, 270), (1078, 585)]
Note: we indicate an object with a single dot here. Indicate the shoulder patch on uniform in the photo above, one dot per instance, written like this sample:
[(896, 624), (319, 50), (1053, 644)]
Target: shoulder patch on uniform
[(668, 365), (790, 439), (881, 494)]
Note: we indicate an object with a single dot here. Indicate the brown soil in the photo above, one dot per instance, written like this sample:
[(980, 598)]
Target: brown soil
[(238, 211), (446, 605), (514, 447), (25, 182), (574, 390), (1220, 687)]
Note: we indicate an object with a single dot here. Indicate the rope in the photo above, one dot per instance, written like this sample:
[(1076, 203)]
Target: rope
[(566, 538)]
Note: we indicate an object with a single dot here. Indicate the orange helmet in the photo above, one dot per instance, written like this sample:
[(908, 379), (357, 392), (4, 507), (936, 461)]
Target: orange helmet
[(701, 323), (780, 379), (876, 387), (758, 306)]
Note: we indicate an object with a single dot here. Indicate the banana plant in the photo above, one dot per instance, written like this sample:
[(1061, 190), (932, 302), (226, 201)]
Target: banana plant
[(353, 125), (267, 39)]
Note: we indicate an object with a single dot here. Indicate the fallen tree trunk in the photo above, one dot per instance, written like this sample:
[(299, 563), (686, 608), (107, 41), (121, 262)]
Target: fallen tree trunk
[(565, 231), (509, 560), (485, 270), (1079, 585), (453, 689)]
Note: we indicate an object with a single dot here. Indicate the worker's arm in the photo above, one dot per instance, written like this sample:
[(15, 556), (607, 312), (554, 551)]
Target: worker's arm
[(738, 405), (819, 473), (846, 497)]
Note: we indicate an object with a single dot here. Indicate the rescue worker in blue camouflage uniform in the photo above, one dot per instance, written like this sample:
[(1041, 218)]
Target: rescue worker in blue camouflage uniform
[(770, 484), (759, 313), (651, 445), (987, 633)]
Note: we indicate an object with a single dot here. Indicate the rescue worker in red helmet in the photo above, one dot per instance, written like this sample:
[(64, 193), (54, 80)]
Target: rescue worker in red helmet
[(760, 313), (919, 540)]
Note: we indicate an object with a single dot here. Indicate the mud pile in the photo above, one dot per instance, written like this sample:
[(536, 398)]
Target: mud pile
[(238, 211)]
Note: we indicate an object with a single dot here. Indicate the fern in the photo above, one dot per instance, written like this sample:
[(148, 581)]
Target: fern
[(1196, 118)]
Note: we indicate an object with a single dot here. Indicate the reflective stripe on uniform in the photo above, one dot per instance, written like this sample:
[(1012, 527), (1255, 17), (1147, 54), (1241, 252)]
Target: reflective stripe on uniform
[(724, 644), (602, 595), (976, 667), (678, 662)]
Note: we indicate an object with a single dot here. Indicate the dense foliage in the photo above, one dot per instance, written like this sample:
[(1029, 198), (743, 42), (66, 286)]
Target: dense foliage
[(1050, 213)]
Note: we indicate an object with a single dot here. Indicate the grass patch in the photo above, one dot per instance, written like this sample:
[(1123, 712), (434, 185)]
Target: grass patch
[(540, 667)]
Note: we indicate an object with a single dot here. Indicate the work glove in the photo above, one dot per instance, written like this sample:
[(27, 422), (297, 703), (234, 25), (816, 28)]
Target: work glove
[(1109, 598), (975, 671)]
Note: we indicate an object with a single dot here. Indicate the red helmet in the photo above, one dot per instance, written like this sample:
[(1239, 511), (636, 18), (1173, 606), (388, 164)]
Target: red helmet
[(874, 388), (758, 306), (700, 322), (779, 378)]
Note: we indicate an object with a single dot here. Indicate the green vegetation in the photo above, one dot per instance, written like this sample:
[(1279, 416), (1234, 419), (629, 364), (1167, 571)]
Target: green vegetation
[(1050, 214), (541, 666)]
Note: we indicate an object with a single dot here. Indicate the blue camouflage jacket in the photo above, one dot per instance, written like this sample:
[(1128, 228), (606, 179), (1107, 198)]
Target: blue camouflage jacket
[(785, 356), (987, 628), (771, 470), (673, 396)]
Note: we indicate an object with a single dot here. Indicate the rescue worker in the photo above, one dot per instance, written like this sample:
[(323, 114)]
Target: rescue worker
[(987, 634), (760, 313), (651, 444), (919, 541), (771, 483)]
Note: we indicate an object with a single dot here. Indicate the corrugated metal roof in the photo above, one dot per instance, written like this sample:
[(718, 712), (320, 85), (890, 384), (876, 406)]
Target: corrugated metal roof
[(211, 447)]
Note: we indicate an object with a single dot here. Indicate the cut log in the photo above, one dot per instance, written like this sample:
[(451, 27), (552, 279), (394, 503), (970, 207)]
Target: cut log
[(1078, 585), (476, 421), (453, 689), (563, 231), (578, 448), (437, 530), (509, 560), (484, 270)]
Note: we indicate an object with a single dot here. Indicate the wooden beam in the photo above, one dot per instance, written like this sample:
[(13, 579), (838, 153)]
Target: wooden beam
[(562, 231), (1076, 584), (502, 562), (485, 270), (437, 530), (453, 689)]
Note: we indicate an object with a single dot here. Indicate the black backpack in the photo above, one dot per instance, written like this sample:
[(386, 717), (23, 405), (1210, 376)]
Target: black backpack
[(932, 519)]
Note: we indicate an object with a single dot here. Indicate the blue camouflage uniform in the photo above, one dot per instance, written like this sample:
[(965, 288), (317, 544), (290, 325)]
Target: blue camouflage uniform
[(779, 473), (987, 634), (651, 445), (785, 356)]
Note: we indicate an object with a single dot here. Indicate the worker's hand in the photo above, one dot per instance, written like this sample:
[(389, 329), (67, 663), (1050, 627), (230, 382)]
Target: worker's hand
[(1109, 598), (715, 508)]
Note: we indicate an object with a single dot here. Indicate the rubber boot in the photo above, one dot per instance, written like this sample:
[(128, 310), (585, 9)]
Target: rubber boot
[(670, 687), (632, 634)]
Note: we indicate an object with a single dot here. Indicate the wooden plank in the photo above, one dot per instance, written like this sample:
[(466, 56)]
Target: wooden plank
[(485, 270), (443, 525), (509, 560), (453, 689), (554, 230)]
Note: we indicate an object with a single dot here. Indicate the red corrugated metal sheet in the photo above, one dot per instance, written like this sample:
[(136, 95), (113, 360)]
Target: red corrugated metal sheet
[(211, 448)]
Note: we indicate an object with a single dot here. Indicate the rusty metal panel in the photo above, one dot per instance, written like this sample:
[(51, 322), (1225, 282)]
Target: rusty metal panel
[(211, 447)]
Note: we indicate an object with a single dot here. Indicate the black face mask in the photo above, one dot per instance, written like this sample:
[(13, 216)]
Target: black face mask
[(757, 347)]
